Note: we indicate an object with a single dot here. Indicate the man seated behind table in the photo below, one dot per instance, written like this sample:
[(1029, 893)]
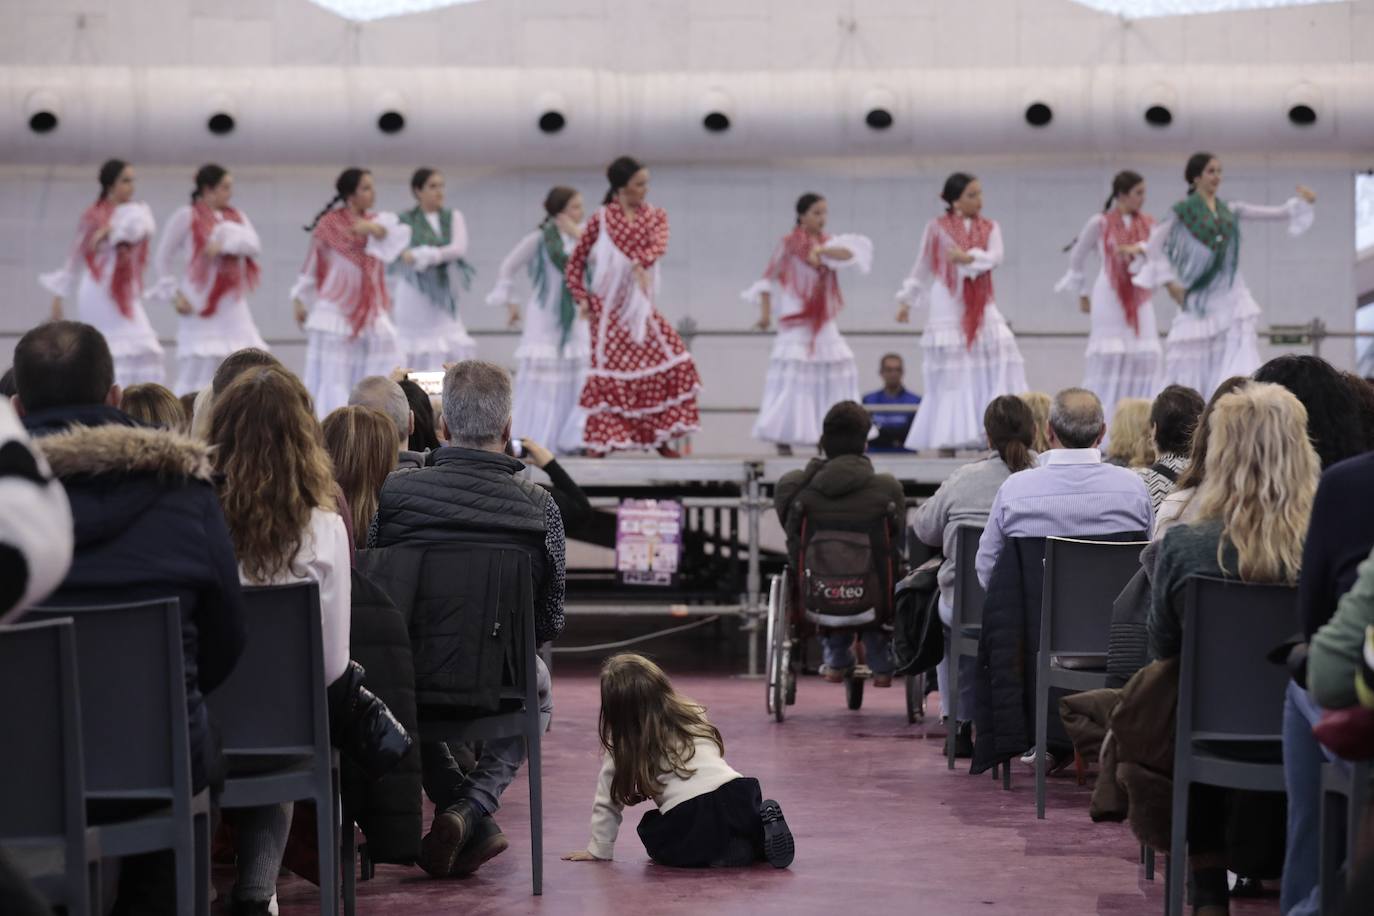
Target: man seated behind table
[(892, 425)]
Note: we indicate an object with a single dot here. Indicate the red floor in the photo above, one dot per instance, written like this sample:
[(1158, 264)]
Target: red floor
[(881, 827)]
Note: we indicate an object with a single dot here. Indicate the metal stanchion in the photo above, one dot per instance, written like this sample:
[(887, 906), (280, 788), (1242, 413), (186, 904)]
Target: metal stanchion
[(753, 579)]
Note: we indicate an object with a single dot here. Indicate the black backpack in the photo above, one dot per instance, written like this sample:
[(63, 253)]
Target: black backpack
[(918, 636)]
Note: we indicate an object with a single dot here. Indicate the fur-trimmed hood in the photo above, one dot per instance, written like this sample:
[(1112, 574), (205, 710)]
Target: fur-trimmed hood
[(89, 451)]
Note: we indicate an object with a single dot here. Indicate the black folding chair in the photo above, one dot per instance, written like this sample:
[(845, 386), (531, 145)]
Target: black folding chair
[(43, 829), (136, 739)]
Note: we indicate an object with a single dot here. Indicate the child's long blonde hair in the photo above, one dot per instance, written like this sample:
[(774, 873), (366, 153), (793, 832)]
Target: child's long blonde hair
[(1261, 476), (647, 727)]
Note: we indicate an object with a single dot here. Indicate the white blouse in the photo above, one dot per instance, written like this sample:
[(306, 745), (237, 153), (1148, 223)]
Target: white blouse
[(175, 249), (130, 223), (915, 290)]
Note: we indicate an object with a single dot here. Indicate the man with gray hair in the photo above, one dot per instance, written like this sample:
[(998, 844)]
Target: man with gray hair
[(472, 492), (386, 395), (1072, 493)]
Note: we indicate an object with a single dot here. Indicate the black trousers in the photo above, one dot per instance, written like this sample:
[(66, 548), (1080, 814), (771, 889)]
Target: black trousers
[(720, 828)]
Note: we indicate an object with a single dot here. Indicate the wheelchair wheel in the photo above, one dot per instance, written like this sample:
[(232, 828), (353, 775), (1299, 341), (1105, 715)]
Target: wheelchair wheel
[(915, 698), (773, 668), (854, 692)]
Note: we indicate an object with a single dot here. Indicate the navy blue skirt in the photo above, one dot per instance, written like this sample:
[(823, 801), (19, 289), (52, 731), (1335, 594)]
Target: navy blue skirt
[(720, 828)]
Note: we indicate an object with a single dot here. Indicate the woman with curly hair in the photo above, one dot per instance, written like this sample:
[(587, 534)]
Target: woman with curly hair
[(277, 494)]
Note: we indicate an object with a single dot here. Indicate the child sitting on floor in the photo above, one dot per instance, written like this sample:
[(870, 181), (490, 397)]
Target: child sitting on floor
[(659, 746)]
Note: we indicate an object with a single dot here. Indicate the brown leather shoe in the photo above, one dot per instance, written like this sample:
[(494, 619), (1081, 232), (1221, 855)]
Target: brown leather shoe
[(487, 843), (448, 834), (882, 680)]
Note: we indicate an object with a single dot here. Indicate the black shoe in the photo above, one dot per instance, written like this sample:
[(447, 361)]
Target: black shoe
[(448, 834), (250, 907), (778, 845), (487, 843), (963, 741)]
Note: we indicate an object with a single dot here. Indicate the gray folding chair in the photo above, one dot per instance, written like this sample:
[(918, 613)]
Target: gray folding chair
[(1230, 700), (273, 716), (136, 739), (512, 578), (1345, 795), (966, 621), (42, 783), (1082, 579)]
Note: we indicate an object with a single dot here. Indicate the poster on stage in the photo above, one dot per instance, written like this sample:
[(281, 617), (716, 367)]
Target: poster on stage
[(648, 541)]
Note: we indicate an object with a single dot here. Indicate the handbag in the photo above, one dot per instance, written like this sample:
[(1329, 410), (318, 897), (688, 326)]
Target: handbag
[(918, 637), (1347, 733)]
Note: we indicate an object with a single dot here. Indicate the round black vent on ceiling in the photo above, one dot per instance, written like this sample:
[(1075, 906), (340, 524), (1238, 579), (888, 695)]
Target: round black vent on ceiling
[(42, 122), (551, 122), (717, 122), (1158, 116), (878, 119), (1038, 114), (1302, 115), (220, 124), (391, 122)]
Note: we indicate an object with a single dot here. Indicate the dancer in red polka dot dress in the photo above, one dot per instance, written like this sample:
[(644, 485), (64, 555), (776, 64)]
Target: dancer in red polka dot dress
[(641, 390)]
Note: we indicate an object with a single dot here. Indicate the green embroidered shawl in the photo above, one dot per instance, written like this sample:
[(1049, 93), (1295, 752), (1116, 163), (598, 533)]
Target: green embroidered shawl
[(433, 282), (553, 245), (1203, 271)]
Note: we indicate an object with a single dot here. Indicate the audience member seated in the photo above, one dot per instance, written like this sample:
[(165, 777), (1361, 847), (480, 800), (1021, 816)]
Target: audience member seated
[(188, 409), (424, 439), (7, 386), (276, 490), (1253, 509), (233, 366), (1071, 493), (1039, 402), (1129, 444), (35, 521), (147, 525), (361, 441), (1178, 506), (473, 492), (154, 405), (1173, 417), (1364, 395), (842, 490), (965, 498), (1334, 410), (892, 426), (384, 394)]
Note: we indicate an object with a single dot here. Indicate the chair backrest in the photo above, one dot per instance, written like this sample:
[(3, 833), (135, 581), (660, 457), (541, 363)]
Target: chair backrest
[(1082, 579), (133, 697), (275, 700), (968, 593), (42, 781), (1228, 689)]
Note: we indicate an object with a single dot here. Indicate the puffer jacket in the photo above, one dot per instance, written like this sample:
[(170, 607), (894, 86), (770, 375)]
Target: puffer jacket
[(149, 525)]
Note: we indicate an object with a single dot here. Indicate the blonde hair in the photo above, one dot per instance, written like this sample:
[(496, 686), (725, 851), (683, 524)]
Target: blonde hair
[(154, 405), (268, 445), (647, 727), (1261, 476), (1130, 439), (362, 443), (1040, 404)]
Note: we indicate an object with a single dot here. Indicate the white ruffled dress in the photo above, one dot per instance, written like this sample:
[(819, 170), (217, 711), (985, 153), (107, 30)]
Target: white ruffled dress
[(1208, 345), (336, 359), (427, 335), (806, 375), (1119, 363), (133, 342), (960, 381), (204, 342), (549, 374)]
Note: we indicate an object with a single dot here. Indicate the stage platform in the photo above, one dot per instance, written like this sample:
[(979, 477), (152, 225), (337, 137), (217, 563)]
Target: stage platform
[(725, 566)]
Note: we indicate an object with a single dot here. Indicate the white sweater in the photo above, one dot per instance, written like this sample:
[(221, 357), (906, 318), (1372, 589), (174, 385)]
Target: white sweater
[(324, 557), (710, 772)]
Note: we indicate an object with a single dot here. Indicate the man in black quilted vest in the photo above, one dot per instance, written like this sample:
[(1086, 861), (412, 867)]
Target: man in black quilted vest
[(474, 492)]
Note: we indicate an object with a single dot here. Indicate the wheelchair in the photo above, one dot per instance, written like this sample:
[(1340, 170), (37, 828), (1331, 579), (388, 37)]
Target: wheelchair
[(787, 630)]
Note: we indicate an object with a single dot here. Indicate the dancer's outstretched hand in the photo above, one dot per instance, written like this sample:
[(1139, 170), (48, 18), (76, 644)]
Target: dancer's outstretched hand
[(903, 313), (1307, 194)]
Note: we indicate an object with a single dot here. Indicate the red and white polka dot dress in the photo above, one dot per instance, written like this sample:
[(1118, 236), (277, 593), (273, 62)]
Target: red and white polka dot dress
[(641, 390)]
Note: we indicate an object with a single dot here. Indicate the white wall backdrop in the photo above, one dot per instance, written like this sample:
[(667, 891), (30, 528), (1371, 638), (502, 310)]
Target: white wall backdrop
[(725, 217)]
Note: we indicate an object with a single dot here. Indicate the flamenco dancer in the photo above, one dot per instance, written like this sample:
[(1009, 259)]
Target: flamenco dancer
[(429, 332), (1123, 354), (641, 389), (1194, 253), (340, 297), (205, 265), (105, 268), (555, 344), (969, 355), (811, 367)]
